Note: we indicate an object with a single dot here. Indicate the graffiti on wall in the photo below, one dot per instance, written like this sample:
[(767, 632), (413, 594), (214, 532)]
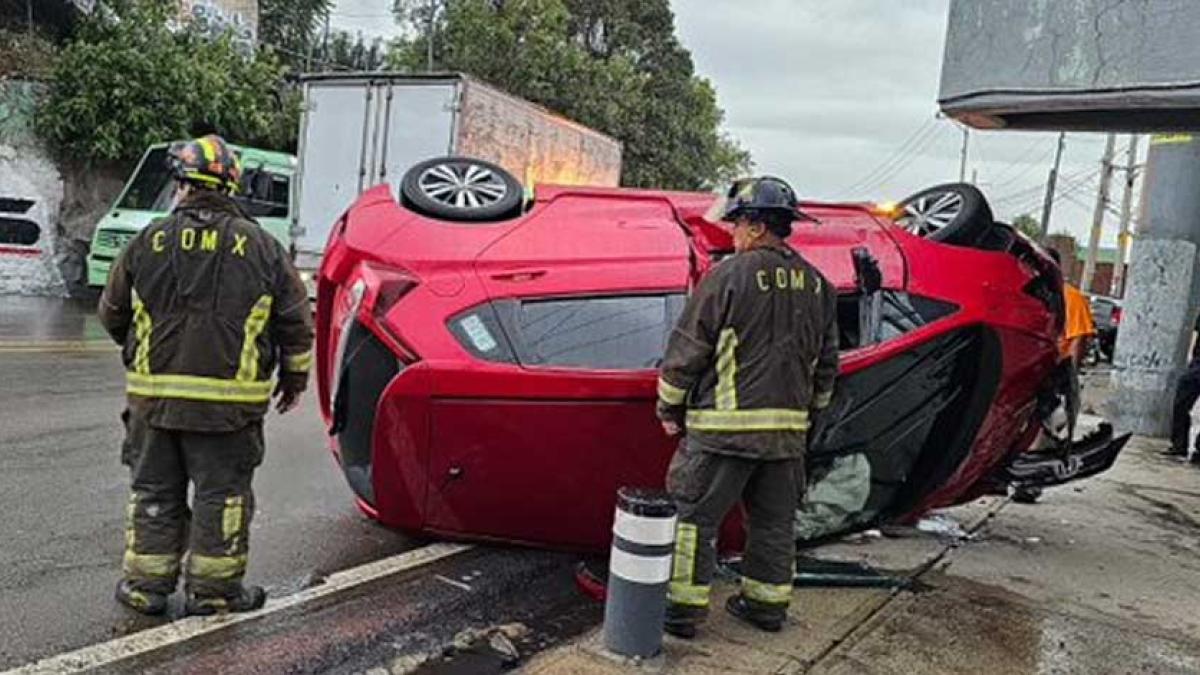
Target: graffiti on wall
[(216, 18), (31, 194), (18, 103)]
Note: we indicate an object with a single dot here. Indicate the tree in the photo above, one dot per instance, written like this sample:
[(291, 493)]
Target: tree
[(1028, 225), (614, 65), (343, 51), (128, 80), (291, 27)]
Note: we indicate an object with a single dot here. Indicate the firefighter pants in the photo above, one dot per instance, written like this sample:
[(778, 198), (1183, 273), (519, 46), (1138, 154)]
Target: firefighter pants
[(159, 526), (706, 487)]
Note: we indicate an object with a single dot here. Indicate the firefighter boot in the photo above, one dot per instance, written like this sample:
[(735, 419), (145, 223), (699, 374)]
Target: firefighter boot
[(145, 602), (681, 620), (760, 615), (245, 599)]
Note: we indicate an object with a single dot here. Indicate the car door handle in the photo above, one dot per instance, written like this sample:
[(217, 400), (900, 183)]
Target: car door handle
[(519, 276)]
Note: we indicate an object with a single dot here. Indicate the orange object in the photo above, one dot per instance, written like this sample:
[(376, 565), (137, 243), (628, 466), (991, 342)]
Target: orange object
[(1079, 323)]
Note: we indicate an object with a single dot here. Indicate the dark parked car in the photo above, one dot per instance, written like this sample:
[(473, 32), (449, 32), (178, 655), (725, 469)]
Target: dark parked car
[(1106, 312)]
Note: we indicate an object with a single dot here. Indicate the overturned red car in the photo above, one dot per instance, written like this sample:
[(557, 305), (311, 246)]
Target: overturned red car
[(487, 359)]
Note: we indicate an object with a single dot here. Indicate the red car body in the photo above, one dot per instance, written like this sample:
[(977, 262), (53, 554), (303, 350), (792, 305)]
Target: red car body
[(436, 440)]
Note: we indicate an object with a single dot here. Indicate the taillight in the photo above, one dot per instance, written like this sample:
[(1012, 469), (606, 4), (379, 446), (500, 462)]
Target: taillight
[(1116, 316), (385, 288), (389, 294)]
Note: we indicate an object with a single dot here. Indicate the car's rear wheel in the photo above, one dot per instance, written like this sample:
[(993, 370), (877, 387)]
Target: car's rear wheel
[(461, 189), (953, 213)]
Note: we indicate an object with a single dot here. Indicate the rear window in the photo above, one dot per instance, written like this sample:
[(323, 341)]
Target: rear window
[(265, 194), (599, 333)]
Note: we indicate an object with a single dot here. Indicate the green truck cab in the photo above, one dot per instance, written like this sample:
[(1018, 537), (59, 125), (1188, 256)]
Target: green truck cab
[(265, 195)]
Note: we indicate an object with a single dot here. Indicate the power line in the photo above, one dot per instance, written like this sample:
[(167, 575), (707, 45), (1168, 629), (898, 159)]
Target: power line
[(1027, 199), (901, 161), (1020, 168), (1031, 197), (924, 128)]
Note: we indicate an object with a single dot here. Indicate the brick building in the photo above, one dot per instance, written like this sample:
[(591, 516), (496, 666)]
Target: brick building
[(1074, 258)]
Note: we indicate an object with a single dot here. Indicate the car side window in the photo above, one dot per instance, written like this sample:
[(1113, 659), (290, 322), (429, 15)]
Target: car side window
[(607, 333), (599, 333)]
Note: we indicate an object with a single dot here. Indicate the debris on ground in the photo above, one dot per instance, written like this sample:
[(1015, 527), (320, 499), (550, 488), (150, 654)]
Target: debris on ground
[(480, 650), (863, 537), (837, 573), (942, 525)]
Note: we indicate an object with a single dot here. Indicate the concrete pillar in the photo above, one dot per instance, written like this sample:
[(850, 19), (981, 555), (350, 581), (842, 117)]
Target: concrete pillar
[(1164, 283)]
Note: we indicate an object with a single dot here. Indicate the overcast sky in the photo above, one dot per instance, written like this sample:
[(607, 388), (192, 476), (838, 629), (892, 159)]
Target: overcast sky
[(840, 98)]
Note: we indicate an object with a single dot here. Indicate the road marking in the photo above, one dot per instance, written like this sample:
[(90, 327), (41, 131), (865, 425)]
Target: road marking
[(108, 653), (41, 346), (453, 582)]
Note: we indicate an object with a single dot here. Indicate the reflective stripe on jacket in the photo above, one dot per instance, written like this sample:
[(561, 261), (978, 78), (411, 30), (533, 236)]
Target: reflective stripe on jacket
[(754, 351), (207, 306)]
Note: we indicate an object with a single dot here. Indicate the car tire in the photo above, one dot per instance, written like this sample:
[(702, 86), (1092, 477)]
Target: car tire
[(461, 189), (952, 213)]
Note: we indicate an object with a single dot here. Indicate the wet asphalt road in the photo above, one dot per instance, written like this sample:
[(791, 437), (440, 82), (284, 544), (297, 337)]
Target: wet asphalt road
[(62, 489)]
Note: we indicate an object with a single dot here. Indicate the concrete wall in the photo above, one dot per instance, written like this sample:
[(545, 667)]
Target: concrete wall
[(64, 200), (32, 187), (1072, 64), (1163, 292)]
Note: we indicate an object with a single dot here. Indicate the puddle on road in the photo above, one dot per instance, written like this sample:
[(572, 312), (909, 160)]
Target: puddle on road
[(25, 318)]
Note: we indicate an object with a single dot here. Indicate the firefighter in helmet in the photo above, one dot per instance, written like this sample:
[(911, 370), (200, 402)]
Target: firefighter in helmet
[(206, 307), (752, 359)]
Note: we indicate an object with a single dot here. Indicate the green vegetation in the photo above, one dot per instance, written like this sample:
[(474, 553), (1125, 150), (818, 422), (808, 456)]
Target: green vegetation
[(1028, 225), (614, 65), (126, 80), (128, 76), (25, 55)]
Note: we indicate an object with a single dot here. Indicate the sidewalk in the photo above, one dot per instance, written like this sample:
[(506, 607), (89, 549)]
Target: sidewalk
[(1101, 576)]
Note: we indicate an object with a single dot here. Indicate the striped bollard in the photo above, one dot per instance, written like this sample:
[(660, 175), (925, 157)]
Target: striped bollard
[(639, 571)]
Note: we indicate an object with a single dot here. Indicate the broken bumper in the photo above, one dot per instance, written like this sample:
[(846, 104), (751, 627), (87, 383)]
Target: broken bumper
[(1091, 455)]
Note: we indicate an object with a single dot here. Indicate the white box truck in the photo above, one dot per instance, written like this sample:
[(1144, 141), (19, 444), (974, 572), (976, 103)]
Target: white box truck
[(362, 129)]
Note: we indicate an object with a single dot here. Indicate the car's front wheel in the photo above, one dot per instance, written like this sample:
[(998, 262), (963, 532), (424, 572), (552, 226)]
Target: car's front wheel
[(461, 189), (953, 213)]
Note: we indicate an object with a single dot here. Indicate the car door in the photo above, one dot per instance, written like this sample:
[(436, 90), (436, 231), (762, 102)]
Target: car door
[(585, 292)]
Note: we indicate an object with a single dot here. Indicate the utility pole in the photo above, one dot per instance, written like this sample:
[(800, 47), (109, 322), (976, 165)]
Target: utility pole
[(325, 57), (1106, 172), (962, 165), (429, 37), (1118, 280), (29, 12), (1051, 182)]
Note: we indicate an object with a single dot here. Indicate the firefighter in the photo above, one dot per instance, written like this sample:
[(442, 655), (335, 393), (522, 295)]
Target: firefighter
[(1187, 391), (206, 305), (752, 359), (1078, 326)]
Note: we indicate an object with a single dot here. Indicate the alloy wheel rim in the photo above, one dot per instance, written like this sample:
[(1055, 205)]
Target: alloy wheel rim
[(462, 185), (931, 213)]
